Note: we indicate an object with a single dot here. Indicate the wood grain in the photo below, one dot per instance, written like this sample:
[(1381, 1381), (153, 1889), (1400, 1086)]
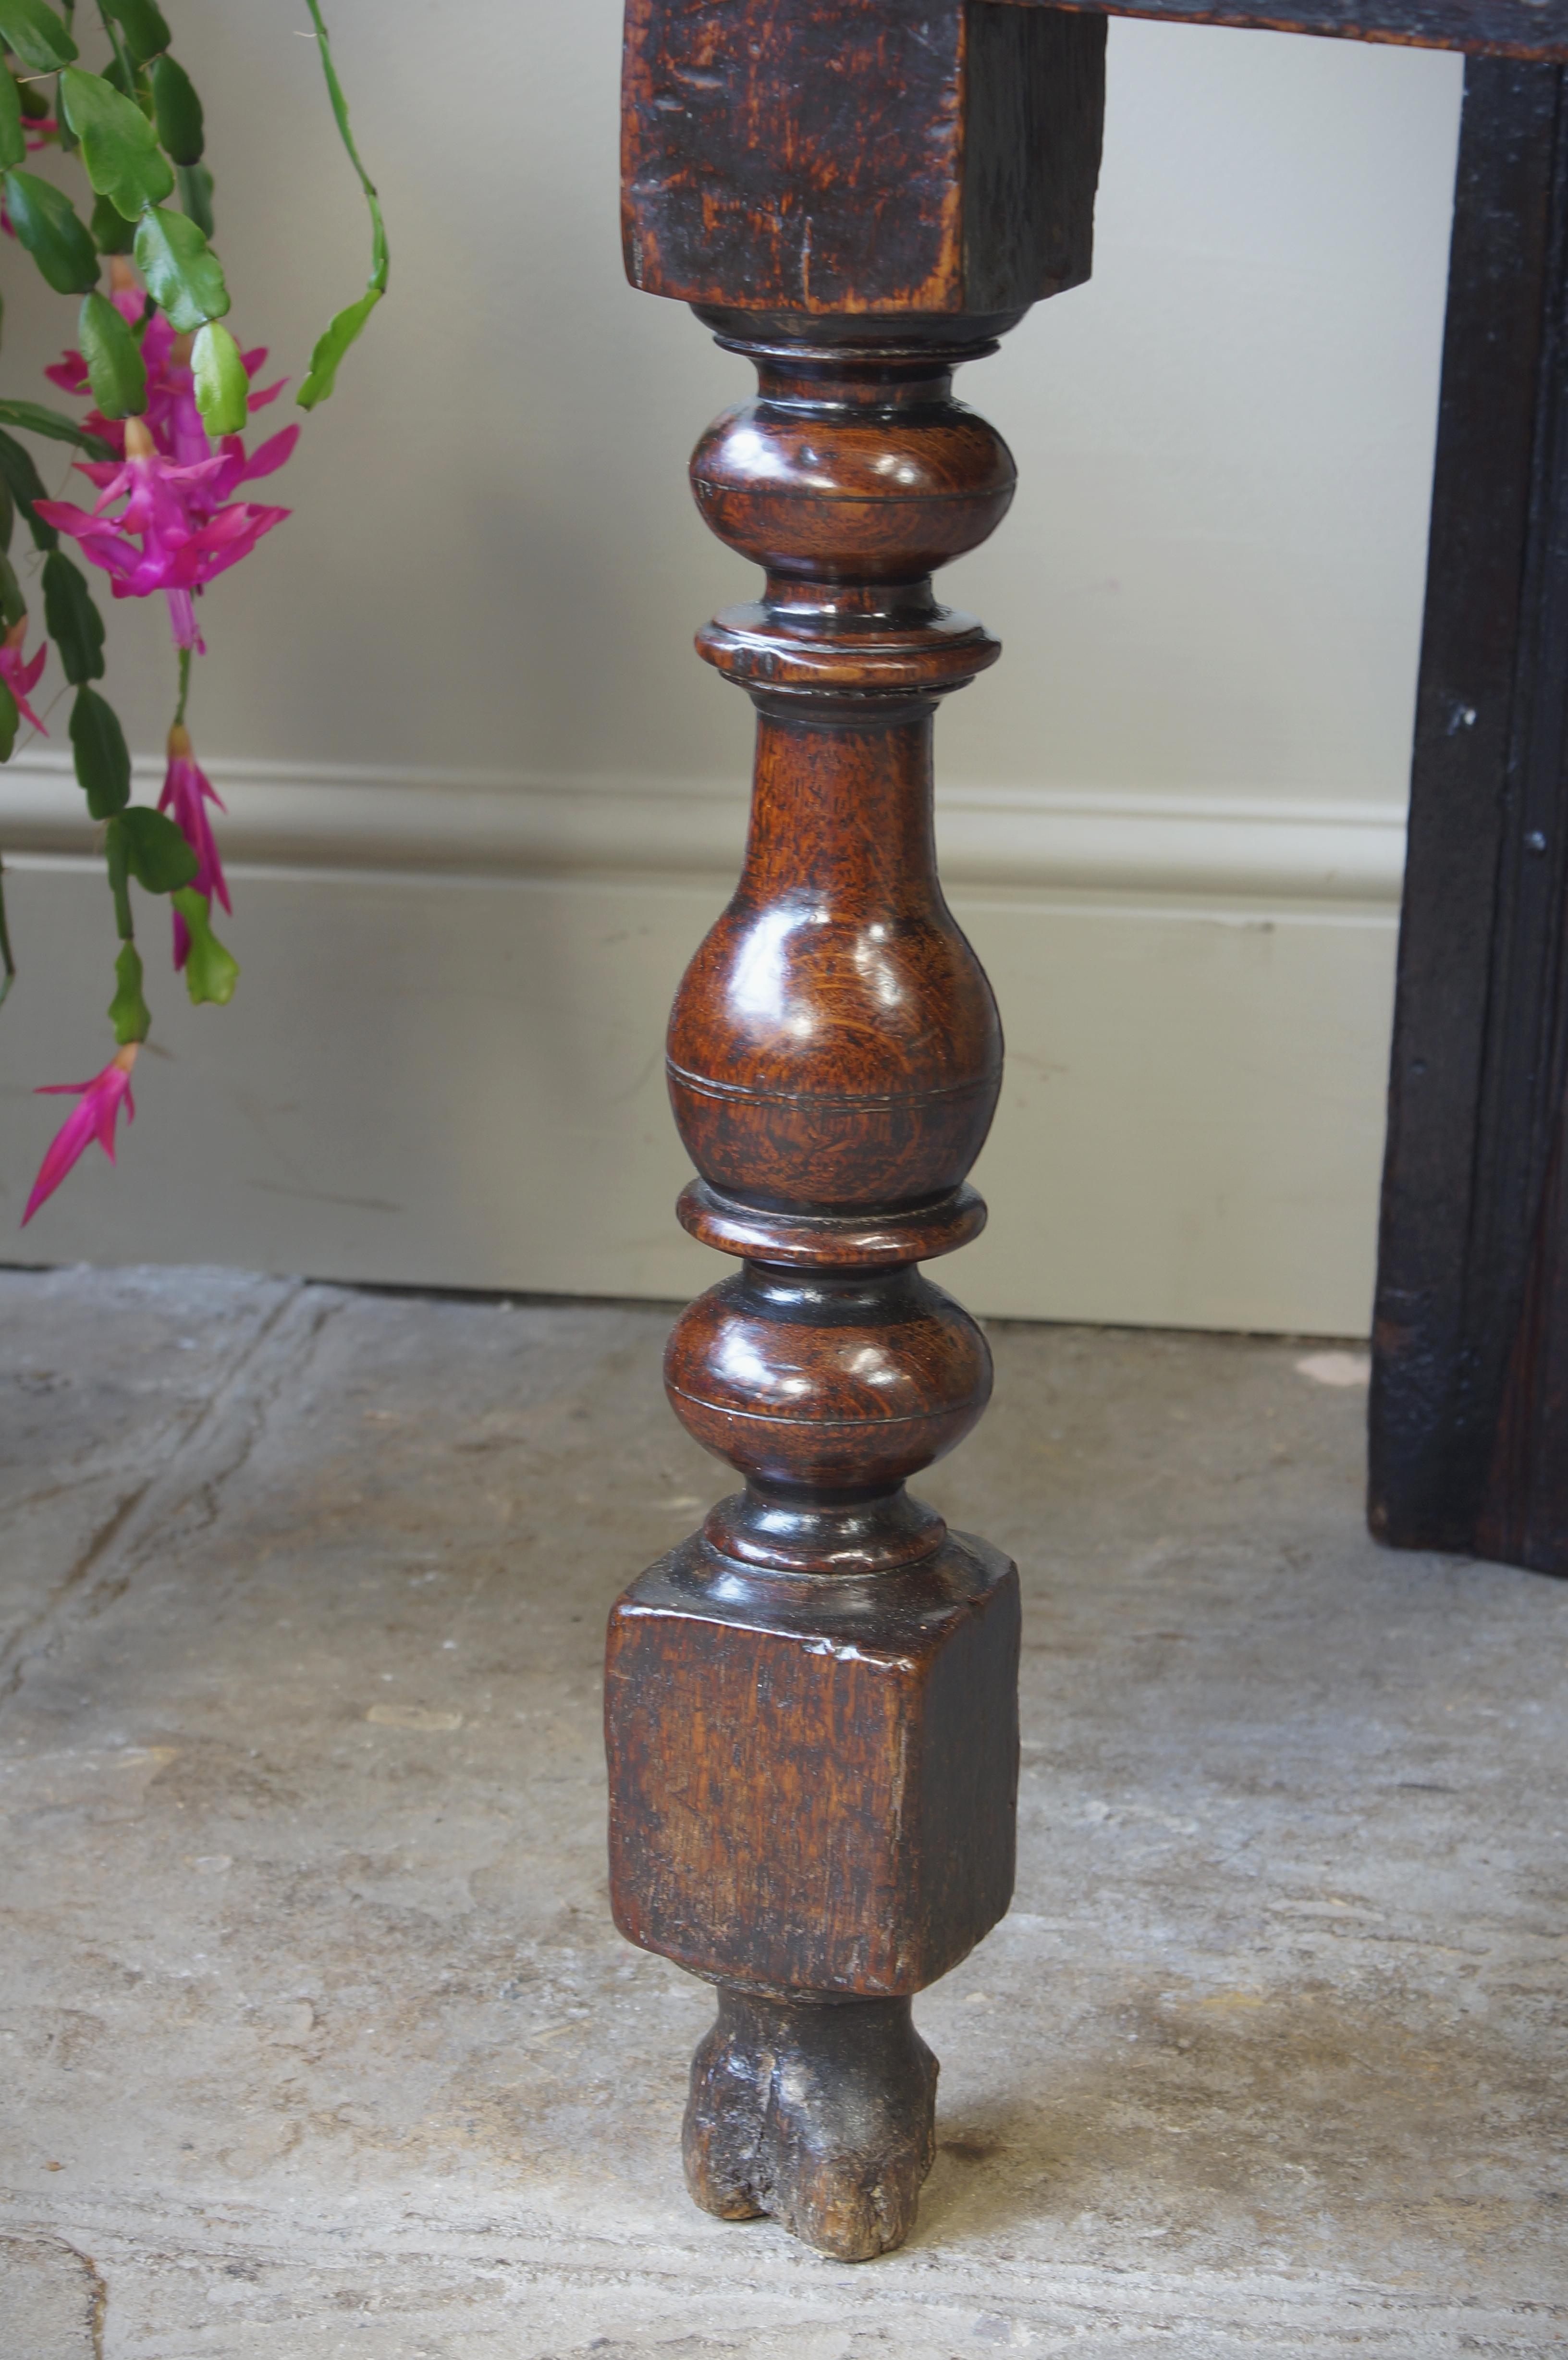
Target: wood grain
[(847, 156), (838, 1818)]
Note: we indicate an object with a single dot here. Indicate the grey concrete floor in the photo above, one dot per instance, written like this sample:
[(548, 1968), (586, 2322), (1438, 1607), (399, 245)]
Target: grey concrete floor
[(317, 2037)]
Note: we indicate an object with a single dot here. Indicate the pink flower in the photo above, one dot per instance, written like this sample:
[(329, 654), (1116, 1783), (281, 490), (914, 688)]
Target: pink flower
[(187, 791), (201, 483), (22, 677), (93, 1118), (171, 417), (185, 538)]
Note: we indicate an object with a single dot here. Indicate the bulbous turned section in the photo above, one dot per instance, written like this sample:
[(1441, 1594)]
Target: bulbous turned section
[(859, 471), (826, 1390), (828, 1380), (821, 2115), (850, 478), (835, 1043)]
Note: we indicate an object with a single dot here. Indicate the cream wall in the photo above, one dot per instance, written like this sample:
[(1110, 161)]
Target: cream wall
[(486, 799)]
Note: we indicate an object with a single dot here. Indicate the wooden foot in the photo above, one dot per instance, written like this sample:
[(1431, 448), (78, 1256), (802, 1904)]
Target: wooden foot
[(821, 2115)]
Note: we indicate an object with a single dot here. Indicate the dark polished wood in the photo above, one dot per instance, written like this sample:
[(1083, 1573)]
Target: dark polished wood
[(1470, 1391), (810, 1707)]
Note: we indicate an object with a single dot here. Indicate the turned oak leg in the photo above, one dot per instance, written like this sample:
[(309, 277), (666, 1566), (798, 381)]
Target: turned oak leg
[(1469, 1416), (811, 1705)]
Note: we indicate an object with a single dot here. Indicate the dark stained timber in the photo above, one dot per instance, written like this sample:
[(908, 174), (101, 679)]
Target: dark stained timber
[(811, 1705), (1469, 1433), (849, 156), (1508, 28)]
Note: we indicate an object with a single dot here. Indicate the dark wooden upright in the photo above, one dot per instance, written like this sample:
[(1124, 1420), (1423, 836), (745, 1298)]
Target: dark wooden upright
[(811, 1705), (1469, 1408), (1470, 1396)]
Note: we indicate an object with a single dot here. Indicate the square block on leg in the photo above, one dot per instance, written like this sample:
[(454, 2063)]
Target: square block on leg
[(814, 1784)]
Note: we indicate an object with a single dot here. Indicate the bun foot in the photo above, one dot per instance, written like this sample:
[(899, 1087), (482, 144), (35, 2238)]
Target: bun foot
[(820, 2113)]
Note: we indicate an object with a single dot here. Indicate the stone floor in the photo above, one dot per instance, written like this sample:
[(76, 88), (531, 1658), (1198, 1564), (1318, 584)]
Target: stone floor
[(319, 2041)]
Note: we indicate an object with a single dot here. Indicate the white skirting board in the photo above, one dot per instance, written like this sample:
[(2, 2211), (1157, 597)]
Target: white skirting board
[(443, 1065)]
